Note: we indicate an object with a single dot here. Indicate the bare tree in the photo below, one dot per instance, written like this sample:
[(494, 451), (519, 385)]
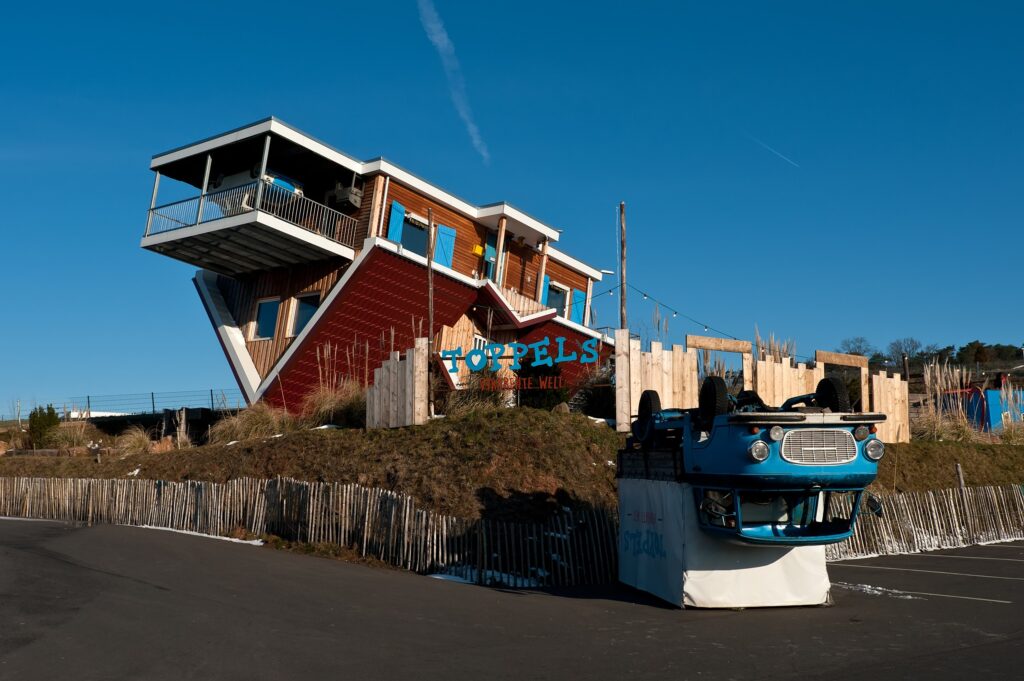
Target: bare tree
[(911, 347), (858, 345)]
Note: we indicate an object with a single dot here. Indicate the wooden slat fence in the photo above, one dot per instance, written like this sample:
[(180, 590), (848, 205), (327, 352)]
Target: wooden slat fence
[(398, 396), (574, 547), (674, 374)]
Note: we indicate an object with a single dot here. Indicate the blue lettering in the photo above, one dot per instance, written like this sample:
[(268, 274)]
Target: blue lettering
[(453, 355), (589, 351), (562, 357), (476, 359), (495, 351), (519, 351), (540, 353)]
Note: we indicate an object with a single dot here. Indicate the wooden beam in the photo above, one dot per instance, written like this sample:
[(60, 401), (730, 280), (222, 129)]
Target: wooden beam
[(499, 265), (841, 359), (542, 271), (376, 206), (718, 344)]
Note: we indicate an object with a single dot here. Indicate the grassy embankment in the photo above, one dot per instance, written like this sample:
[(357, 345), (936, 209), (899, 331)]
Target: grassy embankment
[(502, 461)]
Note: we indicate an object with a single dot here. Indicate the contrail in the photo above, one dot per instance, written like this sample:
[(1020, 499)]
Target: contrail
[(453, 71), (783, 157)]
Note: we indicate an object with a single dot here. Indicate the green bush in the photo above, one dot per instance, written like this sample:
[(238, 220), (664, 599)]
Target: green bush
[(42, 425)]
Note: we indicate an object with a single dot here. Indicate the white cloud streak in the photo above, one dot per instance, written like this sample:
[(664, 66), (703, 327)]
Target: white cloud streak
[(777, 153), (438, 36)]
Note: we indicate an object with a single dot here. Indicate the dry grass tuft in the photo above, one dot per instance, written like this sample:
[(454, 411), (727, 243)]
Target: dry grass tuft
[(343, 404), (134, 440), (259, 420)]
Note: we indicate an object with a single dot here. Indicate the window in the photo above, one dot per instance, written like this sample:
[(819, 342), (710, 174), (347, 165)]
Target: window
[(414, 238), (305, 307), (266, 318), (558, 296)]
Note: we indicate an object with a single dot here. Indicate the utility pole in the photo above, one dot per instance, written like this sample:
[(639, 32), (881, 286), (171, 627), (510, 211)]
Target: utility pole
[(430, 309), (622, 266)]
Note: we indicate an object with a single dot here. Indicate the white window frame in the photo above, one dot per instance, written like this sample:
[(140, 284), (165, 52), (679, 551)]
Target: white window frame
[(564, 313), (294, 311), (479, 342), (256, 318)]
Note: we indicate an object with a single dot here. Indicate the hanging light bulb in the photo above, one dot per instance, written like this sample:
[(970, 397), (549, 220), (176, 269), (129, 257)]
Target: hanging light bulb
[(705, 327), (675, 314), (645, 296)]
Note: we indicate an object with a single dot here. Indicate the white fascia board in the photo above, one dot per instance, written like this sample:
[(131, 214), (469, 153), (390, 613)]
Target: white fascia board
[(573, 263), (230, 334), (266, 219), (206, 145), (421, 260), (344, 160)]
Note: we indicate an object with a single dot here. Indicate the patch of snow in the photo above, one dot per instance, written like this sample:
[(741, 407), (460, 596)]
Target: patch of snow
[(135, 472), (233, 442), (610, 463), (877, 591), (490, 578), (326, 426), (251, 542), (278, 435)]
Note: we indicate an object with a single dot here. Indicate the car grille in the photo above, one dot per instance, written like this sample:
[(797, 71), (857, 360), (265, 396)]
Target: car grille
[(819, 446)]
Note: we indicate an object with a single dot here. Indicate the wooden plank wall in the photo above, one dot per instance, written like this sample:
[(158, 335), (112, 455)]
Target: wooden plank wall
[(398, 396), (889, 396), (674, 374), (777, 380), (670, 371), (241, 295)]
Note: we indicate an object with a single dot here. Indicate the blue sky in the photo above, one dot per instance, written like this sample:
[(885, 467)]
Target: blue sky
[(821, 171)]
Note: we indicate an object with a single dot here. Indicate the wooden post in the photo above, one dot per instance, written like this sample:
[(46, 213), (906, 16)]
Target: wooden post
[(430, 307), (499, 268), (590, 294), (960, 475), (543, 270), (623, 324)]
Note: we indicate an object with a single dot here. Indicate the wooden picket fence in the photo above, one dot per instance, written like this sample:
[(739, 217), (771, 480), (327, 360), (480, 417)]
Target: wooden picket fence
[(940, 519), (572, 548), (576, 546), (673, 372), (398, 396)]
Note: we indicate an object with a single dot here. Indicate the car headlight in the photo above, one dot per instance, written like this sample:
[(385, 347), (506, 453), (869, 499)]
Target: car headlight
[(759, 450), (874, 449), (776, 433), (861, 433)]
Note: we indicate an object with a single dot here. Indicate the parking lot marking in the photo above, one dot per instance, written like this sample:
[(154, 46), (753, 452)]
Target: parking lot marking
[(942, 555), (932, 572), (965, 598)]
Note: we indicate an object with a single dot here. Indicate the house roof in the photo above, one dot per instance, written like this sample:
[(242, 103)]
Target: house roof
[(489, 214)]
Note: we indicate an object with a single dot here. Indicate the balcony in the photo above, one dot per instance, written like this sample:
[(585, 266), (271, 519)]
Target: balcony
[(250, 227)]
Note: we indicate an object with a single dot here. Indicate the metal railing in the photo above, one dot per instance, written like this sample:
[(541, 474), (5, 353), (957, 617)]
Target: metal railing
[(131, 403), (283, 203)]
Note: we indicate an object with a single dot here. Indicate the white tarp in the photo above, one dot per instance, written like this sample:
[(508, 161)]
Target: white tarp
[(663, 551)]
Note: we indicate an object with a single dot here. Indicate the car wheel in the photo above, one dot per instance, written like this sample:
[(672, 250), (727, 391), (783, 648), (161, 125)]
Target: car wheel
[(713, 400), (832, 394)]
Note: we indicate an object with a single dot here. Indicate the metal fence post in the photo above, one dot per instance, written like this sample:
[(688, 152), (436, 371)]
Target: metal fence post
[(88, 406), (211, 399), (152, 401)]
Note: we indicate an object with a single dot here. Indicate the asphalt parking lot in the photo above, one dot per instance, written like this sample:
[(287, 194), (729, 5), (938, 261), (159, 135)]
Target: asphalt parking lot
[(128, 603)]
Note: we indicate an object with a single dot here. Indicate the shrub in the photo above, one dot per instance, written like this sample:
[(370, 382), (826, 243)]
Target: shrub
[(134, 440), (259, 420), (342, 405), (42, 422)]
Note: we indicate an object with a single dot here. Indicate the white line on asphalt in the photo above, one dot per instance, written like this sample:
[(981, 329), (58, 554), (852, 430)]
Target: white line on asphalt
[(932, 572), (943, 555), (966, 598), (882, 591)]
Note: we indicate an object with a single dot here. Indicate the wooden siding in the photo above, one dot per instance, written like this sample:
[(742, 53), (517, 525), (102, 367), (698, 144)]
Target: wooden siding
[(242, 294), (468, 234), (362, 216)]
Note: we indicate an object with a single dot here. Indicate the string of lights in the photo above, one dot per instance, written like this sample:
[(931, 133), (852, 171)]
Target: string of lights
[(665, 306)]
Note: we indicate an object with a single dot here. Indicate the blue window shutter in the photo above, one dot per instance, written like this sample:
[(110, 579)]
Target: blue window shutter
[(444, 247), (396, 222), (578, 307), (546, 284)]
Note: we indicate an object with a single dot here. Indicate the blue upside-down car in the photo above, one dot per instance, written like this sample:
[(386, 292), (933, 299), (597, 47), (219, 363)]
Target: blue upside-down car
[(793, 475)]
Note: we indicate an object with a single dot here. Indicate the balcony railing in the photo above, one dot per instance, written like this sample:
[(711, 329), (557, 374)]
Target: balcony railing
[(298, 210), (521, 303)]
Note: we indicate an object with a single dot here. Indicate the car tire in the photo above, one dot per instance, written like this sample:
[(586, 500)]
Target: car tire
[(832, 394), (643, 427), (713, 400)]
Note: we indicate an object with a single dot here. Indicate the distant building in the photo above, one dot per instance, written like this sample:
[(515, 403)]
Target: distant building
[(310, 260)]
